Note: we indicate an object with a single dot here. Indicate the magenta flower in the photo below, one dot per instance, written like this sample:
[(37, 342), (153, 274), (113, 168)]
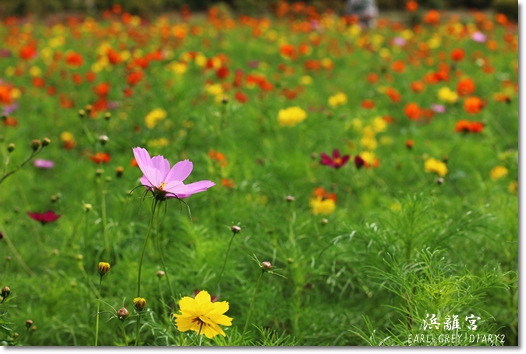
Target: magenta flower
[(45, 164), (165, 182), (336, 161), (44, 218)]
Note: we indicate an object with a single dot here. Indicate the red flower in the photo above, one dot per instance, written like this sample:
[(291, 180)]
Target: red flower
[(358, 161), (102, 89), (100, 157), (457, 54), (336, 161), (74, 59), (44, 218), (465, 126)]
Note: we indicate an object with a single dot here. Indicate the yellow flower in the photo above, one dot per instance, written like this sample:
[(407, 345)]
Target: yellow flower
[(158, 142), (435, 166), (513, 187), (202, 315), (338, 99), (322, 206), (447, 95), (306, 80), (154, 117), (104, 268), (498, 172), (379, 125), (291, 116)]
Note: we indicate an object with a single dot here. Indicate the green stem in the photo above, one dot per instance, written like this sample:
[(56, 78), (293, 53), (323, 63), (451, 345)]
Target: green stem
[(104, 219), (224, 262), (144, 249), (138, 328), (124, 334), (252, 304), (160, 250), (98, 312), (33, 154), (17, 256)]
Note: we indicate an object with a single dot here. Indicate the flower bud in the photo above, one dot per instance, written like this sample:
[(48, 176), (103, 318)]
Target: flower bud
[(139, 303), (82, 113), (236, 229), (266, 265), (99, 171), (10, 147), (104, 268), (29, 323), (122, 313), (324, 222), (439, 180), (46, 142), (107, 116), (289, 198), (88, 109), (119, 171), (224, 100), (103, 139), (160, 274), (5, 292), (35, 144), (87, 207), (79, 257)]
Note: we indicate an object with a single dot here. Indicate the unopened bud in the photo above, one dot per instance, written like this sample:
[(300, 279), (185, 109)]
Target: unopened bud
[(11, 147), (5, 292), (119, 171), (103, 139), (99, 171), (139, 303), (104, 268), (236, 229), (224, 100), (289, 198), (266, 265), (29, 323), (122, 313), (160, 274), (82, 113), (88, 109), (439, 180), (46, 142), (79, 257), (35, 144), (324, 222), (107, 116), (87, 207)]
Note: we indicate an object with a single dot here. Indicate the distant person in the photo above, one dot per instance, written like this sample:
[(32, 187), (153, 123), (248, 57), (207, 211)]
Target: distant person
[(366, 10)]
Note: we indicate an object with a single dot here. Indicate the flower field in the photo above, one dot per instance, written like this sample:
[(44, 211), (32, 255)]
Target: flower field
[(290, 180)]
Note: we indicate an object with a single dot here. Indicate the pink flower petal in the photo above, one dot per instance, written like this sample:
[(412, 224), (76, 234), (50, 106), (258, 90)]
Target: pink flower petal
[(161, 164), (180, 171), (142, 157), (197, 187)]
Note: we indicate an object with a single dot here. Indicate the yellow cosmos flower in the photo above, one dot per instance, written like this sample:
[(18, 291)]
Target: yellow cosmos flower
[(498, 172), (154, 117), (338, 99), (435, 166), (202, 315), (447, 95), (322, 206), (291, 116)]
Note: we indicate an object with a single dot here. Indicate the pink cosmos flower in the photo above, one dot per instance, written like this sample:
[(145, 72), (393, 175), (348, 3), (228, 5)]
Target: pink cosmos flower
[(45, 164), (336, 161), (166, 182), (44, 218)]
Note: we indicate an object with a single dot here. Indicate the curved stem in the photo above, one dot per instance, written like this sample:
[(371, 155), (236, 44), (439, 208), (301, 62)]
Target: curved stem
[(226, 257), (252, 304)]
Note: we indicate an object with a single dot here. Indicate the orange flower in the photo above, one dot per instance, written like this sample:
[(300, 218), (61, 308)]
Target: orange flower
[(473, 104), (287, 51), (393, 94), (411, 6), (227, 183), (222, 72), (134, 78), (241, 97), (413, 111), (74, 59), (432, 17), (457, 54), (465, 87), (90, 76), (465, 126), (409, 144), (100, 157), (368, 104), (38, 82), (417, 86), (27, 52), (77, 78), (10, 121), (372, 78), (102, 89), (398, 66)]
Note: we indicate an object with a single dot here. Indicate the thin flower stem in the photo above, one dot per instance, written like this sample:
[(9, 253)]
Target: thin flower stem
[(160, 250), (252, 304), (33, 154), (98, 313), (144, 248), (138, 328), (224, 262), (17, 256), (124, 334), (104, 219)]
